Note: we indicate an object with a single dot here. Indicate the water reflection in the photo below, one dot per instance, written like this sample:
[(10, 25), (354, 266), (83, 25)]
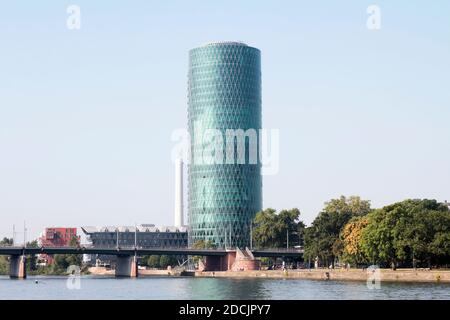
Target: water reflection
[(213, 288), (221, 288)]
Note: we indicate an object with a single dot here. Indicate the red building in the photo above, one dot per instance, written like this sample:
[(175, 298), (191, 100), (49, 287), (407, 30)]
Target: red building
[(56, 237)]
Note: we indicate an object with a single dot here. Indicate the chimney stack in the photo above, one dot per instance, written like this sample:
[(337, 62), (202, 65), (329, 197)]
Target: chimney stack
[(179, 192)]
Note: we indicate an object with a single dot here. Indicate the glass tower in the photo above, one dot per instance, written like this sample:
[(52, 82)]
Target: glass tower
[(224, 118)]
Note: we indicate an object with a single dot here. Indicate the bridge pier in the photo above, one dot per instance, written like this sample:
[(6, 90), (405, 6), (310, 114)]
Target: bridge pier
[(126, 266), (17, 267), (236, 260), (217, 263)]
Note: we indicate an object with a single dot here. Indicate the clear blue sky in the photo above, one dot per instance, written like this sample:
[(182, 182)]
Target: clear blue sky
[(86, 116)]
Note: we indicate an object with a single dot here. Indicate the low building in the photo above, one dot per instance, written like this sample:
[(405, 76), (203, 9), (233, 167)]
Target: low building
[(56, 237), (144, 236)]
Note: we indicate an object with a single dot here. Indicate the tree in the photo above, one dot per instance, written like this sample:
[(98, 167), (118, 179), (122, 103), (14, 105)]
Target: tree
[(407, 233), (32, 259), (272, 230), (60, 262), (264, 231), (289, 228), (351, 239), (6, 242), (376, 240), (430, 234), (166, 260), (63, 261), (153, 261), (322, 237), (143, 261), (352, 205), (4, 263)]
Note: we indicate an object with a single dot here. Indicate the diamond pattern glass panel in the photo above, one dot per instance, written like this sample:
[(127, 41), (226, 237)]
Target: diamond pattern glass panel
[(224, 92)]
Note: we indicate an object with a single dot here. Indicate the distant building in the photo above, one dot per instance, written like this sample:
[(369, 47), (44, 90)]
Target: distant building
[(144, 235), (56, 237)]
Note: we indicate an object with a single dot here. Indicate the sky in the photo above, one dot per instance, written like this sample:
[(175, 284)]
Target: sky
[(86, 115)]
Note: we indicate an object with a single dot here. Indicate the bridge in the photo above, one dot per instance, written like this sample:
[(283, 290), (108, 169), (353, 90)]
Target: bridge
[(126, 265)]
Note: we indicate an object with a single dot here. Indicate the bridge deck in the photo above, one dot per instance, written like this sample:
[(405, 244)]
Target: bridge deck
[(143, 251)]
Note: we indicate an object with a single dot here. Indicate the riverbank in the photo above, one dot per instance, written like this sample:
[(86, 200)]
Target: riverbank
[(386, 275), (102, 271)]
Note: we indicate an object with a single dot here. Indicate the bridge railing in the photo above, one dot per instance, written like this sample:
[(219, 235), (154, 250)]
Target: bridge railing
[(109, 248), (81, 247), (294, 250)]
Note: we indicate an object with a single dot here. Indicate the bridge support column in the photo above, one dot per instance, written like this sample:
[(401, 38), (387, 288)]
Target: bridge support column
[(126, 266), (220, 263), (234, 260), (245, 261), (17, 267)]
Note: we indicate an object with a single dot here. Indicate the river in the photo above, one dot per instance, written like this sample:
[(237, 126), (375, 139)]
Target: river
[(95, 287)]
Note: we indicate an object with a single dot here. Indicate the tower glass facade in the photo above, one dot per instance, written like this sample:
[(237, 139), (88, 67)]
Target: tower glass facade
[(224, 96)]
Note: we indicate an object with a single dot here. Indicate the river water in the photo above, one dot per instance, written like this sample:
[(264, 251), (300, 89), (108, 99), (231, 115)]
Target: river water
[(91, 287)]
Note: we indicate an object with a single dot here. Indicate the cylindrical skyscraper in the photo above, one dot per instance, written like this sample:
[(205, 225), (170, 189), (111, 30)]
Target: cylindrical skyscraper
[(224, 115)]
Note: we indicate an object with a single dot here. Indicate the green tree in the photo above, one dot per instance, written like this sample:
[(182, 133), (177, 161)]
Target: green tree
[(63, 261), (264, 231), (32, 259), (4, 265), (166, 260), (407, 233), (352, 205), (428, 239), (272, 230), (289, 228), (60, 261), (377, 239), (6, 242), (153, 261), (143, 261), (322, 238)]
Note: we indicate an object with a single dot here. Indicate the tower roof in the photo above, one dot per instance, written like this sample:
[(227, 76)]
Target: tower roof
[(218, 43)]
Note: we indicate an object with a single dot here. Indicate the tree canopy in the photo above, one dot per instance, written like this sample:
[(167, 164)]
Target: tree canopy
[(272, 230), (407, 233), (322, 238), (351, 236)]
